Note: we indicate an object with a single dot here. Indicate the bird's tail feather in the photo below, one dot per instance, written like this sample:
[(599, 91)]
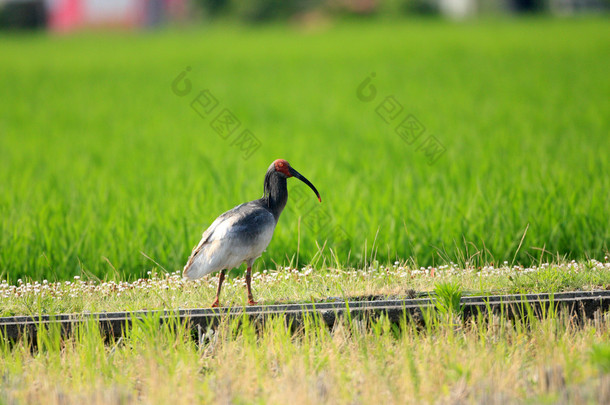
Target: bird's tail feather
[(193, 270)]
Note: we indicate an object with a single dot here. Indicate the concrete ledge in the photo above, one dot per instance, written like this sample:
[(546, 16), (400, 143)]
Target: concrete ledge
[(578, 304)]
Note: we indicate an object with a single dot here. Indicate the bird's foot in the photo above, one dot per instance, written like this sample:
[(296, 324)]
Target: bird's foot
[(251, 302), (216, 304)]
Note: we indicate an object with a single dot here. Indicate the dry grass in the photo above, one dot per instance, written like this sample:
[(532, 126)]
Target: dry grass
[(483, 361)]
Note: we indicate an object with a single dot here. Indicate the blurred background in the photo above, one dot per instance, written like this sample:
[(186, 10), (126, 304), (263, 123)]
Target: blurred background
[(68, 15)]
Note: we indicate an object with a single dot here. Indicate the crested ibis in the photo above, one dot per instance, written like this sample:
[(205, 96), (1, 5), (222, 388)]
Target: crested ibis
[(242, 233)]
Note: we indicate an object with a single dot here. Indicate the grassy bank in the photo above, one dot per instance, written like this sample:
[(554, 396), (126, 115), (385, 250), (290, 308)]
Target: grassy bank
[(171, 291)]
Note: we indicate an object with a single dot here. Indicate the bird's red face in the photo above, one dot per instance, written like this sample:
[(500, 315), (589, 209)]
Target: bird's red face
[(283, 167)]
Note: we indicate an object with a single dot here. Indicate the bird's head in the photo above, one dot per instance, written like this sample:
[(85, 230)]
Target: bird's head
[(283, 168)]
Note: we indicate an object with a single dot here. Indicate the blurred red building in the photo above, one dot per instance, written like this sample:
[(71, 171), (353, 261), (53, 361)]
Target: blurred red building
[(68, 15)]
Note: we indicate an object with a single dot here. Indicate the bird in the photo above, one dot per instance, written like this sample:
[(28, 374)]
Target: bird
[(244, 232)]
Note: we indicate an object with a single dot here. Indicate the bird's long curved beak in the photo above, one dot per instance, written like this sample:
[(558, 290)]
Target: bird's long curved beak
[(304, 180)]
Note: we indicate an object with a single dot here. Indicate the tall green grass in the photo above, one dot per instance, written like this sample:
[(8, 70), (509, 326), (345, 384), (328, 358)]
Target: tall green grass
[(100, 160)]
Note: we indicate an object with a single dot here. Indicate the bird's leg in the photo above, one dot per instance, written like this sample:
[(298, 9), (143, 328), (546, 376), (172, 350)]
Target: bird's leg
[(248, 281), (216, 302)]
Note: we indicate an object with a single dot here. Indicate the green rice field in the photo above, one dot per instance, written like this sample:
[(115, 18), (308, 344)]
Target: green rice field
[(480, 142)]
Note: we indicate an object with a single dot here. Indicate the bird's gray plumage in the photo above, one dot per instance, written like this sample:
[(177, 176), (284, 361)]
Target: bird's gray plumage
[(242, 233), (237, 236)]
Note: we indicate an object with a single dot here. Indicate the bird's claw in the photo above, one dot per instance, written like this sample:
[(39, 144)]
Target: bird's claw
[(252, 302), (216, 304)]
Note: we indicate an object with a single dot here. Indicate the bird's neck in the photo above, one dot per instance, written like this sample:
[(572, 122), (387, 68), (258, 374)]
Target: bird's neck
[(275, 193)]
